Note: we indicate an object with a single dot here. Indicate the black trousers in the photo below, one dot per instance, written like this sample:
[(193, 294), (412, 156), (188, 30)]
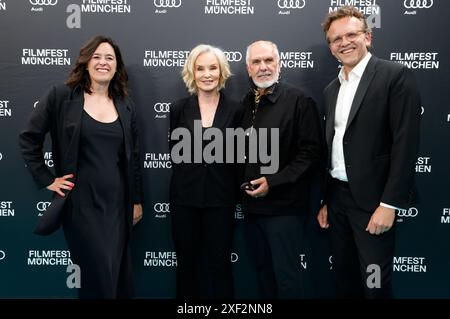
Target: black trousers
[(210, 230), (275, 245), (355, 250)]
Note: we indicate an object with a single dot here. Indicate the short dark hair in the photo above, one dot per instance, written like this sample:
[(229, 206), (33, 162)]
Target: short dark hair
[(80, 76)]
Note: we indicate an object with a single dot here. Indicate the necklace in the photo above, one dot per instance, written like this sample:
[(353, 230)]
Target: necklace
[(255, 109)]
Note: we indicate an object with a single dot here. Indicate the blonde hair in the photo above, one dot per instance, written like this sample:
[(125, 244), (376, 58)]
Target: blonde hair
[(188, 69)]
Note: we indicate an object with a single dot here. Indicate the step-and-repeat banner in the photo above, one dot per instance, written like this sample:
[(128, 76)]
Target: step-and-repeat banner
[(40, 40)]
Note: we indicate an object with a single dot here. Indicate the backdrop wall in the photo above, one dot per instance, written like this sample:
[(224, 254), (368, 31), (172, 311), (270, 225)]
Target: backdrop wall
[(40, 40)]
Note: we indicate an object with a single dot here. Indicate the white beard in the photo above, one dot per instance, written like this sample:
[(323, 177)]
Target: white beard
[(264, 85), (269, 83)]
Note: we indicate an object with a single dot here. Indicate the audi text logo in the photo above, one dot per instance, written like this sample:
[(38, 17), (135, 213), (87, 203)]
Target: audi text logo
[(233, 56), (161, 208), (161, 107), (167, 3), (412, 212), (43, 2), (418, 4), (2, 255), (291, 4)]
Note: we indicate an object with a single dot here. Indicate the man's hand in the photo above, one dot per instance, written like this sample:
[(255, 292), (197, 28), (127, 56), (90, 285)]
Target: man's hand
[(381, 221), (262, 187), (322, 217)]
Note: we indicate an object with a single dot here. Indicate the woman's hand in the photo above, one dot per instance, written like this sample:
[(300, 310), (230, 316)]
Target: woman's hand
[(61, 183), (137, 213)]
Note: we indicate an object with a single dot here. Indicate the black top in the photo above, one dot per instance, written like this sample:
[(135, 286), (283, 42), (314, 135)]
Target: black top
[(203, 184), (100, 164), (300, 149), (95, 224)]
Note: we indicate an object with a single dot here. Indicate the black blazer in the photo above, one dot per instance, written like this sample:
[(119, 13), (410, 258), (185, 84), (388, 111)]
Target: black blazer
[(59, 112), (203, 184), (382, 136)]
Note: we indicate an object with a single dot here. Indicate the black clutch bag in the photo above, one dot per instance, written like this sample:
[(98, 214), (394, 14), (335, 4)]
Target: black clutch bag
[(51, 220)]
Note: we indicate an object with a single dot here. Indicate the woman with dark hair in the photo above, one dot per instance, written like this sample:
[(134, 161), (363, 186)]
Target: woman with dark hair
[(92, 124)]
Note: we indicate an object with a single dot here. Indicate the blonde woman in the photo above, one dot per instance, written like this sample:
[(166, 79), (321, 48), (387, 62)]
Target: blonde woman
[(202, 194)]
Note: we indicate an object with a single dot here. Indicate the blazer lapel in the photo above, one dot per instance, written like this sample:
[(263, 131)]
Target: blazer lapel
[(73, 109), (220, 118), (366, 78), (124, 112), (192, 112), (331, 100)]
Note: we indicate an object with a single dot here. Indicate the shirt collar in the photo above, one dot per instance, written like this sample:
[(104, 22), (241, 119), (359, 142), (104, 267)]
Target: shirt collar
[(271, 93), (358, 70)]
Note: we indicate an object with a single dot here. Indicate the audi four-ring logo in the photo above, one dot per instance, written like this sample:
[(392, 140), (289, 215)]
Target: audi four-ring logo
[(2, 255), (412, 212), (418, 4), (42, 206), (1, 156), (291, 4), (162, 208), (35, 104), (161, 107), (167, 3), (43, 2), (233, 56)]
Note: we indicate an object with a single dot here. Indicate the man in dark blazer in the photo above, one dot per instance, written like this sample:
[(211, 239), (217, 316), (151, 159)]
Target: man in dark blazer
[(372, 134)]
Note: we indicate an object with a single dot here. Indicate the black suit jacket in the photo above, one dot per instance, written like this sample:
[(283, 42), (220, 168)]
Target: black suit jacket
[(204, 184), (59, 113), (382, 136)]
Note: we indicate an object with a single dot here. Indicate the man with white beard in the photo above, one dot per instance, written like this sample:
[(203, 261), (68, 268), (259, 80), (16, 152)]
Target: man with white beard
[(276, 204)]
